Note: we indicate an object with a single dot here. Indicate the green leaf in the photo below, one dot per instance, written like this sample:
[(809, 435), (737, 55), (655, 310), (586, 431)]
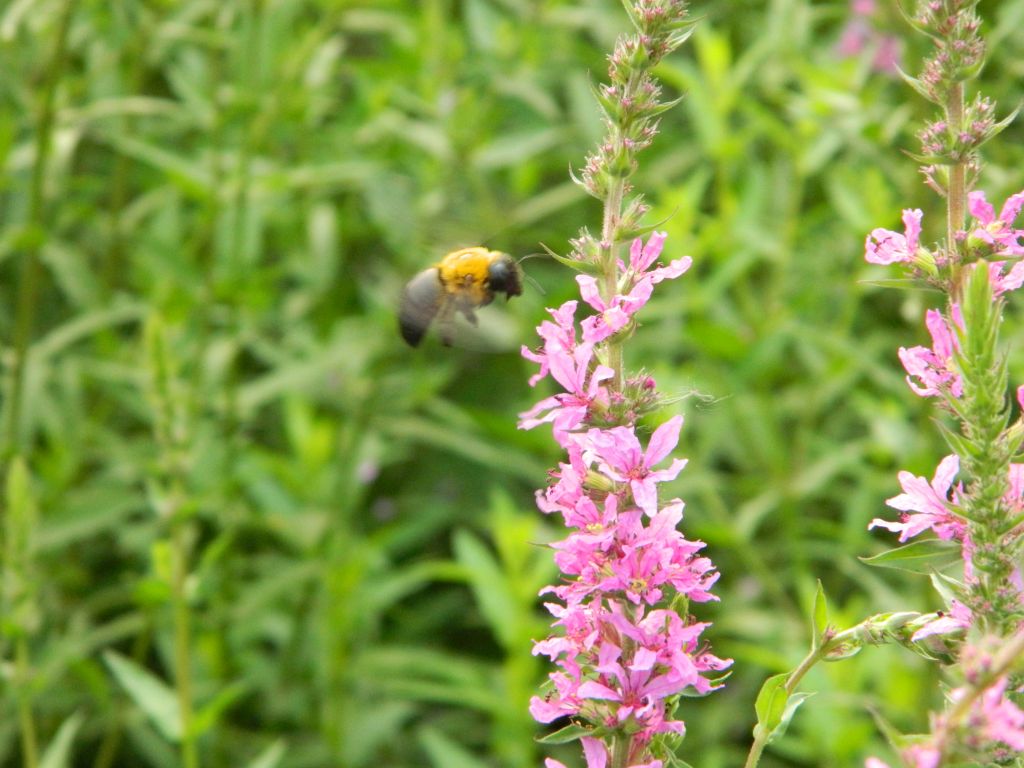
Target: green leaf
[(151, 694), (573, 264), (270, 757), (569, 733), (489, 584), (819, 614), (925, 556), (775, 707), (207, 716), (443, 752), (792, 705), (58, 753), (771, 702)]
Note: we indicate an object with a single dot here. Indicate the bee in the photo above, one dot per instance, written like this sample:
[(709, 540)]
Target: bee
[(462, 281)]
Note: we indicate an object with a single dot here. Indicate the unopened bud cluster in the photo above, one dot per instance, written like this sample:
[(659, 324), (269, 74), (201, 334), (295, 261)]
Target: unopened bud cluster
[(630, 105), (959, 49), (954, 138)]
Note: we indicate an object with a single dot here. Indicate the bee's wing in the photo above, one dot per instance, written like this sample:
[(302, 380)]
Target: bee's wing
[(420, 302)]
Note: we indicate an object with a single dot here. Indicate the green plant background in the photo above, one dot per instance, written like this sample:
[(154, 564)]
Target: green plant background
[(255, 180)]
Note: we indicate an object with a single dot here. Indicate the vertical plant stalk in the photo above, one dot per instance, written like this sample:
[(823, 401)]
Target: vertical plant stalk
[(169, 433), (956, 194), (30, 268), (183, 644), (610, 272), (18, 602), (966, 371), (26, 722)]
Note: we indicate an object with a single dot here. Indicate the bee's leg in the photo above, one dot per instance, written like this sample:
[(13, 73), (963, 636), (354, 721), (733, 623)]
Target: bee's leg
[(468, 313)]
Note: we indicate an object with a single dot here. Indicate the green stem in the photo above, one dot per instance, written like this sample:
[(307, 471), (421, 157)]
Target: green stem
[(956, 196), (621, 747), (761, 735), (182, 644), (26, 723), (610, 270), (30, 268)]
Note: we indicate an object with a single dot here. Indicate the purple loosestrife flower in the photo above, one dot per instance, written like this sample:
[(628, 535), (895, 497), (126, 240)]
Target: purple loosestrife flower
[(934, 367), (622, 458), (584, 392), (927, 505), (997, 232), (559, 338), (596, 755), (883, 246), (957, 620), (623, 656)]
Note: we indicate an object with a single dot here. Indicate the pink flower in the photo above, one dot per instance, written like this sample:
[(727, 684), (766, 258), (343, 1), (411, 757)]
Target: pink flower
[(957, 620), (642, 256), (639, 281), (621, 458), (662, 639), (568, 410), (639, 695), (934, 368), (596, 755), (922, 756), (926, 505), (884, 246), (559, 339), (612, 317), (997, 232), (1011, 281), (567, 489), (564, 701), (1001, 719)]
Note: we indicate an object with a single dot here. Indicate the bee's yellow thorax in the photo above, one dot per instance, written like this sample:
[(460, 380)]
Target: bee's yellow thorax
[(463, 273)]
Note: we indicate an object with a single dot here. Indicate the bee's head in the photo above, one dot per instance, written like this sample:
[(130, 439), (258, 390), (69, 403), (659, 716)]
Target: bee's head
[(505, 276)]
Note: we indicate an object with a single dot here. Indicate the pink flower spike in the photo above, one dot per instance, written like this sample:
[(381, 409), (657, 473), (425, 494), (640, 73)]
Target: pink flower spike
[(884, 246)]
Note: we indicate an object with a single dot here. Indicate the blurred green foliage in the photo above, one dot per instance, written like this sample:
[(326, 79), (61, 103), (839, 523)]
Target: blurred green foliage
[(364, 554)]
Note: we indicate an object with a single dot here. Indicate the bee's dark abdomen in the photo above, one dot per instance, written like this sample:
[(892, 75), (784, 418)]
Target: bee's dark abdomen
[(421, 299)]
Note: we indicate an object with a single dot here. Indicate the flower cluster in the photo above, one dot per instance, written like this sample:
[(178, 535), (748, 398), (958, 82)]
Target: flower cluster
[(625, 648), (931, 372), (983, 511), (990, 730)]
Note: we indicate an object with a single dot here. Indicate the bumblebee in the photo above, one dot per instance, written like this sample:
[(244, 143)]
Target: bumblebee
[(462, 281)]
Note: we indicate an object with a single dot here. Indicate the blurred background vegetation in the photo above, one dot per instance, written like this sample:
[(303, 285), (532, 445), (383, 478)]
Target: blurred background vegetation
[(207, 210)]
